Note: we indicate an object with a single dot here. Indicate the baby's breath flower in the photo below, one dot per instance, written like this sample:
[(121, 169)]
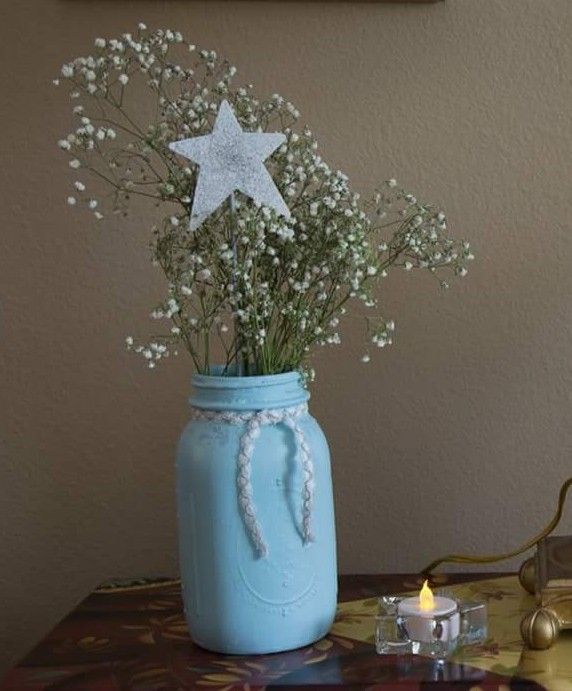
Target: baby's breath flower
[(268, 288)]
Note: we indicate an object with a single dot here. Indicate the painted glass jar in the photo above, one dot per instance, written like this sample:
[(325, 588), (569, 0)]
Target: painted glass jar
[(256, 516)]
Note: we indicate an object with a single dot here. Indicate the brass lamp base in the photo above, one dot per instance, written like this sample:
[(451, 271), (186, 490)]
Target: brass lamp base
[(548, 575)]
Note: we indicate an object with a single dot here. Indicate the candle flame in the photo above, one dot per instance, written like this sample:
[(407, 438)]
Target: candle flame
[(426, 599)]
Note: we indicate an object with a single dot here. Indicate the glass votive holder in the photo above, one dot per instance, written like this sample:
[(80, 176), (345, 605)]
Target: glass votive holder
[(437, 636)]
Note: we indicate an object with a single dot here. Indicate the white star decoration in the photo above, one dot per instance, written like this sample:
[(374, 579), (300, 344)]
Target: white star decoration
[(230, 160)]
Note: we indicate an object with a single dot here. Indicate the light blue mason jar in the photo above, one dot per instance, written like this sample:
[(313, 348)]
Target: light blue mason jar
[(256, 516)]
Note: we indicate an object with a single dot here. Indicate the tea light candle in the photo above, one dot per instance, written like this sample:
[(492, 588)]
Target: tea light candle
[(420, 612)]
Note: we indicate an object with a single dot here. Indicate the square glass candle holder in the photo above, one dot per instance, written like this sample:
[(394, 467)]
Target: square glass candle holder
[(433, 635)]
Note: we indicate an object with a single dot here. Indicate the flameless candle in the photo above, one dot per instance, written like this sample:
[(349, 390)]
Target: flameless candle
[(420, 613)]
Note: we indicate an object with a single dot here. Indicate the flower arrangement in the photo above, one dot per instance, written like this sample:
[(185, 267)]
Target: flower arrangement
[(249, 287)]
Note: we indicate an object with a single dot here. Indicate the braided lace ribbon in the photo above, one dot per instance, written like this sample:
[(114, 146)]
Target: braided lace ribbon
[(253, 422)]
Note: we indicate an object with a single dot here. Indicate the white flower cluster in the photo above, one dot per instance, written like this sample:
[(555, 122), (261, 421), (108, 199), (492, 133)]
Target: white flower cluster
[(151, 352), (248, 283)]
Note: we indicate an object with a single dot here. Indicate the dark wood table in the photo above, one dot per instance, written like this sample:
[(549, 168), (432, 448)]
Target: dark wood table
[(134, 637)]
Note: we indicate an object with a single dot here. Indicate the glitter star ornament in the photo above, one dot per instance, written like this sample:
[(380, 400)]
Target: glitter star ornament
[(231, 160)]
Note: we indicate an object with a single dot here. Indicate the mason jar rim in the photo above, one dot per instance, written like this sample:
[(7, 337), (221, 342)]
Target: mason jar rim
[(217, 380)]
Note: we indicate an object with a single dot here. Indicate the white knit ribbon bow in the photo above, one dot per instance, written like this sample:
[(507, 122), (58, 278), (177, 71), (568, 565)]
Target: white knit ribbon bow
[(253, 422)]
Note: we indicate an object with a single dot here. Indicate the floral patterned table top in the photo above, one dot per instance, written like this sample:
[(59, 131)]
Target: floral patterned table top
[(135, 637)]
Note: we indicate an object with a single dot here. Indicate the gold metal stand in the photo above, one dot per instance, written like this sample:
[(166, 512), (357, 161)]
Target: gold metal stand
[(548, 575)]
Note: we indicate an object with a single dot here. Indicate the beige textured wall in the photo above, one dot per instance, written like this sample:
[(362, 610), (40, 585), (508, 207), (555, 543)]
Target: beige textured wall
[(457, 438)]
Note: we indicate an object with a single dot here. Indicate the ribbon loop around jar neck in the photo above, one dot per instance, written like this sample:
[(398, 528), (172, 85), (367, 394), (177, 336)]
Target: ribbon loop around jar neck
[(253, 422)]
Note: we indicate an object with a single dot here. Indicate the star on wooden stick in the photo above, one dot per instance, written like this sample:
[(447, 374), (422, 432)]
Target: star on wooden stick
[(230, 160)]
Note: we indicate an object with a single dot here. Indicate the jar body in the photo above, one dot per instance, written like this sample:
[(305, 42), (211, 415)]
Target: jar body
[(237, 601)]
